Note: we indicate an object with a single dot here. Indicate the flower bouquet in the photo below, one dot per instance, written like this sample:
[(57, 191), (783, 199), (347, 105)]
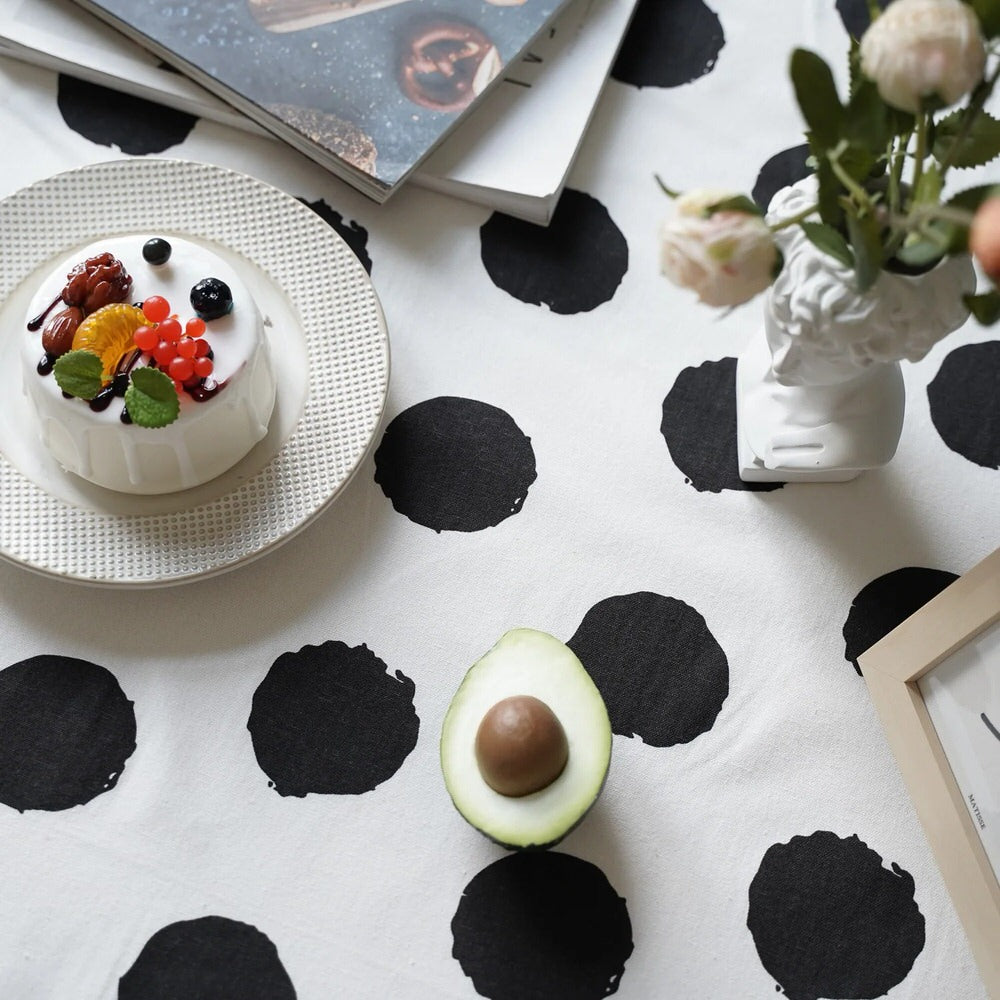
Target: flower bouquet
[(867, 261)]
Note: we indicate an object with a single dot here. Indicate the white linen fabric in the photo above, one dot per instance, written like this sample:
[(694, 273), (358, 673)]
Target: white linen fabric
[(559, 466)]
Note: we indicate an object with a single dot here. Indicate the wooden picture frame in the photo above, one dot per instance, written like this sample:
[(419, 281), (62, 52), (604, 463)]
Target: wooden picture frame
[(892, 669)]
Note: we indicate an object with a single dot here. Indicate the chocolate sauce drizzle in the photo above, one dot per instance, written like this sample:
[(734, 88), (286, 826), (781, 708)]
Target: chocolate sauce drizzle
[(36, 323)]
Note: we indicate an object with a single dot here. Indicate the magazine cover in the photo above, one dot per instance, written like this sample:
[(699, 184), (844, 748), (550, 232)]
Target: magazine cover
[(367, 87)]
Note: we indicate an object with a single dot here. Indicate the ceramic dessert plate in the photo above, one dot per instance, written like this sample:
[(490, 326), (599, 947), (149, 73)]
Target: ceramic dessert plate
[(328, 343)]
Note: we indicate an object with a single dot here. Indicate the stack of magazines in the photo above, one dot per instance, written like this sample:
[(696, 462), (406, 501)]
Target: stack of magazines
[(486, 100)]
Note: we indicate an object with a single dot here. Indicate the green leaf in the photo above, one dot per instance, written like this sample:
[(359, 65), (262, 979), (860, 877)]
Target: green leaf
[(985, 307), (867, 120), (79, 373), (865, 236), (920, 255), (979, 146), (830, 189), (737, 203), (816, 93), (830, 241), (988, 12), (858, 162), (151, 399)]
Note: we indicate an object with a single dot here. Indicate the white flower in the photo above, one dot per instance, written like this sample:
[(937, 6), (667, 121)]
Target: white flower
[(921, 48), (726, 258)]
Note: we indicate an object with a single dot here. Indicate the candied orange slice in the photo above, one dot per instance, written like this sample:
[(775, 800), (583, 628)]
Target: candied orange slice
[(107, 332)]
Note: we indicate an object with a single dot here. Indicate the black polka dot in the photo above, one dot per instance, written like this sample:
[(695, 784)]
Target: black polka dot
[(211, 958), (573, 265), (965, 402), (829, 921), (886, 602), (854, 14), (66, 730), (330, 719), (669, 43), (780, 171), (455, 464), (111, 118), (353, 234), (699, 426), (542, 926), (659, 669)]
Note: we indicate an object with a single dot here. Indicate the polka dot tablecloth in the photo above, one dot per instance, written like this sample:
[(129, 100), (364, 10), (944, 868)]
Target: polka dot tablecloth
[(231, 788)]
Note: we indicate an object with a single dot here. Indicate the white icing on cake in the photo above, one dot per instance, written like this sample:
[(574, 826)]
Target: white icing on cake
[(208, 437)]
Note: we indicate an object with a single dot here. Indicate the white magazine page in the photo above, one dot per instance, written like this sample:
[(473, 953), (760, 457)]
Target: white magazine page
[(60, 35), (962, 695)]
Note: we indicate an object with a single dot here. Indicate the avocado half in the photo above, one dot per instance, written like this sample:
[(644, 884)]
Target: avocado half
[(526, 662)]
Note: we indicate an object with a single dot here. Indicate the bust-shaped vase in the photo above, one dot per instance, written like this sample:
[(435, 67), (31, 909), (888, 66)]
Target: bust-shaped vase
[(819, 389)]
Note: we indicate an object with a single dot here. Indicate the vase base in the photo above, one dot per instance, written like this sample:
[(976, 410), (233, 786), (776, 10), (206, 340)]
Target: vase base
[(753, 470)]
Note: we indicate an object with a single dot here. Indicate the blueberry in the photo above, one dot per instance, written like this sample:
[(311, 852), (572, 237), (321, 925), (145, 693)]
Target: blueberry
[(156, 251), (211, 298)]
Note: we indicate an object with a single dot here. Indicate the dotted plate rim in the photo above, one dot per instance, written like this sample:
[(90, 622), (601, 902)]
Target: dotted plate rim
[(346, 343)]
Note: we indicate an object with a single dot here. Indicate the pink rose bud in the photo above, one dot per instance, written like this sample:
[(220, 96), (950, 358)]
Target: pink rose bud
[(919, 49), (984, 237), (726, 258)]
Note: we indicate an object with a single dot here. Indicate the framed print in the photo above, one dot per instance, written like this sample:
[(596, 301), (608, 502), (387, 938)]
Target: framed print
[(935, 682)]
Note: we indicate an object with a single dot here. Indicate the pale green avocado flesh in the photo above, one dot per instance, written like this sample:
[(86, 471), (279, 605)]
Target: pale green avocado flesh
[(527, 662)]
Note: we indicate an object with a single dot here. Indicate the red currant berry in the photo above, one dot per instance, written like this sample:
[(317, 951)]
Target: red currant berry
[(145, 338), (178, 387), (194, 327), (180, 369), (170, 330), (187, 348), (164, 353), (203, 367), (156, 308), (202, 348)]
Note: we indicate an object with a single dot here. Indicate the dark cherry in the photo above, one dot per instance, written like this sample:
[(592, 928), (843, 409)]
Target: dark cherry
[(156, 251), (120, 383), (211, 299)]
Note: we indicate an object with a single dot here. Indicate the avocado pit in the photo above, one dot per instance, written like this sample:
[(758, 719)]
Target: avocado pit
[(521, 746)]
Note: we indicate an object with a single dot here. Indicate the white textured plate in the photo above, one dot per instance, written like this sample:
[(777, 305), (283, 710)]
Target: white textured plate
[(328, 340)]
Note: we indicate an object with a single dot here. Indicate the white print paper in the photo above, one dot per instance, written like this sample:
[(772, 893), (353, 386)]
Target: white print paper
[(962, 695)]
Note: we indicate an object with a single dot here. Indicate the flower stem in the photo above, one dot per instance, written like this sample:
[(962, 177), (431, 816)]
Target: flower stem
[(794, 220), (857, 192), (920, 151)]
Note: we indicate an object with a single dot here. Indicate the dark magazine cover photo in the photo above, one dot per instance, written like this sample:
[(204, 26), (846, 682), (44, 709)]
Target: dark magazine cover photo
[(374, 82)]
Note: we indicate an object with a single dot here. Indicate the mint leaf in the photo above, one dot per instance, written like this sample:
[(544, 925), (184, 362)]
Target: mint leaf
[(151, 399), (79, 373), (830, 241), (979, 146), (985, 307), (816, 93)]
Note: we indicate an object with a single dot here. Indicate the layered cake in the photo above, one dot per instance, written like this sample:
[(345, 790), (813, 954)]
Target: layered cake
[(146, 364)]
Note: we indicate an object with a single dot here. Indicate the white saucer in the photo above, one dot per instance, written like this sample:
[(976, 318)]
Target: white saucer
[(328, 340)]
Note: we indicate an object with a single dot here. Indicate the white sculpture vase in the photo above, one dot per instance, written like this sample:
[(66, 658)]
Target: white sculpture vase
[(819, 389)]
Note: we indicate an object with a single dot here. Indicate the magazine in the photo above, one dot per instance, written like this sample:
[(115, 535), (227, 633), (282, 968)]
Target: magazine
[(367, 88), (544, 106), (545, 102)]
